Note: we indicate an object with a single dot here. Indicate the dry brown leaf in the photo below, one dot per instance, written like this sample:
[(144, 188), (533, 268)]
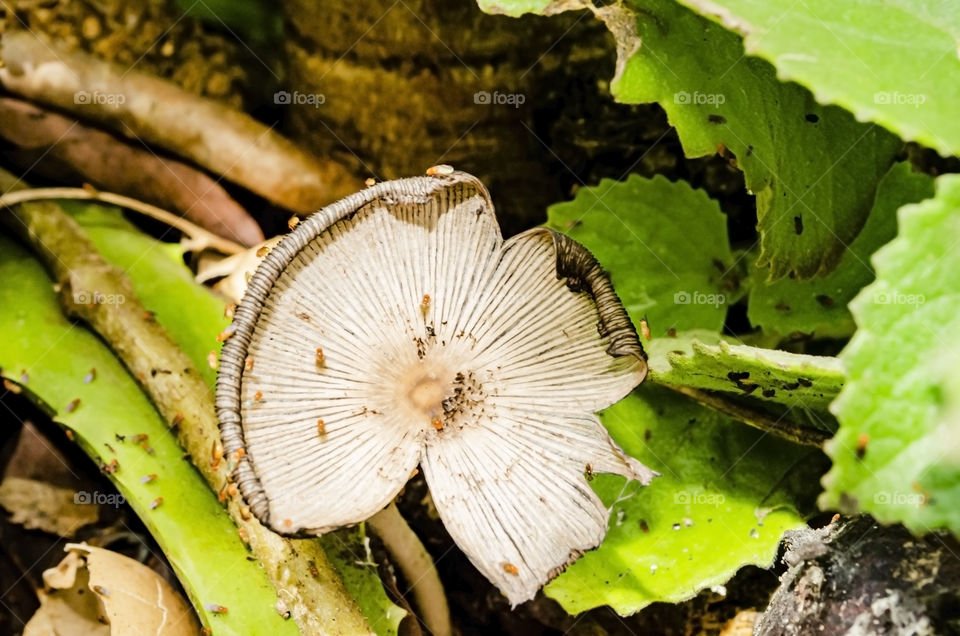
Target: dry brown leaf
[(99, 592), (37, 505), (235, 270)]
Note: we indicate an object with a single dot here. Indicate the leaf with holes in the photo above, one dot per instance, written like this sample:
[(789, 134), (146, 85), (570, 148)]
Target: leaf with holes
[(893, 62), (819, 306), (664, 244), (792, 379), (897, 452), (814, 169)]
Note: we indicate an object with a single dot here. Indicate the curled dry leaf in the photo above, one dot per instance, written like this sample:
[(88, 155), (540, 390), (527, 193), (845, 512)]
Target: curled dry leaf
[(99, 592), (491, 387), (234, 270), (37, 505), (69, 149)]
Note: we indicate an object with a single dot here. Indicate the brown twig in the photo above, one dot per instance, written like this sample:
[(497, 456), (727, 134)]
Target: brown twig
[(71, 151), (198, 238), (299, 569), (222, 140)]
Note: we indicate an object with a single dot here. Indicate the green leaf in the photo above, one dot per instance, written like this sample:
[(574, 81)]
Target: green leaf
[(664, 244), (889, 61), (347, 550), (813, 168), (724, 498), (191, 527), (795, 380), (819, 306), (514, 8), (193, 316), (897, 452)]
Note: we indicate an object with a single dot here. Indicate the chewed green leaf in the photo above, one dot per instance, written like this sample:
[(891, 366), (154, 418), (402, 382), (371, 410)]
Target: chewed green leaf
[(813, 168), (792, 379), (819, 306), (725, 496), (73, 374), (897, 452), (664, 244), (893, 62)]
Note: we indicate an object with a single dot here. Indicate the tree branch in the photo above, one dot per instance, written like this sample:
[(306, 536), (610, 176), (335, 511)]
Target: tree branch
[(223, 140), (299, 569)]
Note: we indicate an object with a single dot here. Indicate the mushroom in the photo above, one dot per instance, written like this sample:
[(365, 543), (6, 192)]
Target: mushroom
[(396, 328)]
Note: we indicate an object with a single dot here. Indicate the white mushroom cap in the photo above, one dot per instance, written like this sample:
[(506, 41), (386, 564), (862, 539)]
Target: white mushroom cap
[(397, 328)]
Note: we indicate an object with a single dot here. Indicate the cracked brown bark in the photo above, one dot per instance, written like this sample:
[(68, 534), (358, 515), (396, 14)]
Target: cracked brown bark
[(858, 577), (299, 569)]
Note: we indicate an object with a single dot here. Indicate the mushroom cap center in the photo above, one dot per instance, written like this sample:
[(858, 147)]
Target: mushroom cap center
[(427, 394)]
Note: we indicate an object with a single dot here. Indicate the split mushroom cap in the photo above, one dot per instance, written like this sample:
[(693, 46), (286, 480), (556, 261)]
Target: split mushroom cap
[(396, 328)]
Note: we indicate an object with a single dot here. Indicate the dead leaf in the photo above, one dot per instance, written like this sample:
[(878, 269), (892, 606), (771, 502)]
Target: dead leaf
[(36, 505), (235, 270), (99, 592)]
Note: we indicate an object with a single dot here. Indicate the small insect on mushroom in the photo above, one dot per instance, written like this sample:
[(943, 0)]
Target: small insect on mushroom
[(212, 359), (644, 328), (146, 479), (464, 395), (156, 503), (264, 250), (248, 364), (226, 333), (74, 403), (91, 375), (293, 221), (213, 608), (175, 422), (443, 168), (321, 429), (216, 453)]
